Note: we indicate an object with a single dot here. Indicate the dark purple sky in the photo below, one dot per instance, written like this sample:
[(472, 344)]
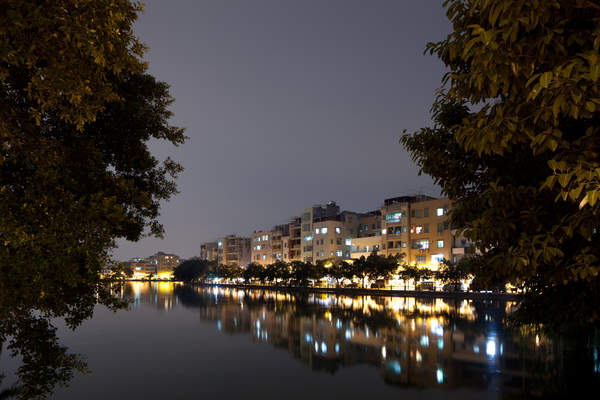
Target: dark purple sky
[(288, 103)]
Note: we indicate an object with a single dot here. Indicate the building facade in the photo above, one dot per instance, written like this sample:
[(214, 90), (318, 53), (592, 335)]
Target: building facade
[(209, 251), (234, 250), (309, 215), (364, 246), (417, 228)]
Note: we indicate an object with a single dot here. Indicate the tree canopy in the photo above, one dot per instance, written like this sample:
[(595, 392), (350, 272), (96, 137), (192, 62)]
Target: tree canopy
[(515, 143), (77, 111)]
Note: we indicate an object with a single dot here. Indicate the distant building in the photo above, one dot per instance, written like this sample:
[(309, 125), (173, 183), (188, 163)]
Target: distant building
[(234, 250), (364, 246), (268, 246), (292, 242), (157, 266), (369, 224), (418, 228), (209, 251), (332, 236), (318, 211)]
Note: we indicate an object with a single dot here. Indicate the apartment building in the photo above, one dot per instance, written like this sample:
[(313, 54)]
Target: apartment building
[(316, 212), (269, 246), (332, 236), (369, 224), (364, 246), (159, 265), (209, 251), (418, 228), (292, 242), (234, 250)]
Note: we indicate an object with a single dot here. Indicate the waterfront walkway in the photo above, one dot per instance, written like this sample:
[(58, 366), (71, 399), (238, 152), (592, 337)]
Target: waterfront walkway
[(376, 292)]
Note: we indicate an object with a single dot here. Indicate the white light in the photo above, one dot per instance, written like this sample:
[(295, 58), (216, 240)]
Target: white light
[(337, 347), (439, 374), (384, 231), (383, 352), (490, 348), (316, 346), (323, 347), (425, 341)]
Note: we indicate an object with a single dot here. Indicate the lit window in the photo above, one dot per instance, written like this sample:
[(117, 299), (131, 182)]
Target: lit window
[(348, 242), (317, 231), (366, 227), (308, 238), (265, 237), (436, 258), (323, 230), (257, 239), (439, 212), (384, 231), (420, 244), (264, 257), (338, 253), (331, 254), (338, 230), (278, 256), (440, 244), (322, 254), (220, 244), (393, 217)]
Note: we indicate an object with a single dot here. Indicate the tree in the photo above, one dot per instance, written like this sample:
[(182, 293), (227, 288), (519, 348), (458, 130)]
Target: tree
[(341, 270), (77, 115), (254, 271), (379, 267), (360, 269), (302, 272), (120, 272), (452, 273), (77, 112), (515, 143), (192, 270), (410, 272)]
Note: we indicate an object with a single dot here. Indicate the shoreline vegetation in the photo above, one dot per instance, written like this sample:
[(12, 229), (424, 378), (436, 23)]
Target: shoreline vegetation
[(374, 275), (463, 295)]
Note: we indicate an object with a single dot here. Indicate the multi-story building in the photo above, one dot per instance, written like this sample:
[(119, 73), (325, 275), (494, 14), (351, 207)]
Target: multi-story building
[(417, 228), (369, 224), (364, 246), (234, 250), (318, 211), (209, 251), (268, 246), (332, 236), (158, 266), (292, 242)]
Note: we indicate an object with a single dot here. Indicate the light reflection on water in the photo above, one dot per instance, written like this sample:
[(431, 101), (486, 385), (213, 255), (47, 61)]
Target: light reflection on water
[(421, 343)]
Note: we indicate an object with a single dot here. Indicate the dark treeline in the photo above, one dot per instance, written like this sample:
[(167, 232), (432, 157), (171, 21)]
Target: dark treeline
[(374, 268)]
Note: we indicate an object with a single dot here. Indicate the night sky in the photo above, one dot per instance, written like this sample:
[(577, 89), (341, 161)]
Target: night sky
[(288, 103)]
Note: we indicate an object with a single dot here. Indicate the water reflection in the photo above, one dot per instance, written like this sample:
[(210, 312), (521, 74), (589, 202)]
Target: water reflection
[(423, 343)]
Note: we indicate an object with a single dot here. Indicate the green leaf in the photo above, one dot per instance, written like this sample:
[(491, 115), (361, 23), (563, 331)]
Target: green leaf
[(545, 79)]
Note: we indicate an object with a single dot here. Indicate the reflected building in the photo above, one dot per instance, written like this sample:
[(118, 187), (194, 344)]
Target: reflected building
[(414, 342)]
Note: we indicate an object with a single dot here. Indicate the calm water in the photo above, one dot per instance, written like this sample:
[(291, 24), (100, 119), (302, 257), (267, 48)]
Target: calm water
[(182, 342)]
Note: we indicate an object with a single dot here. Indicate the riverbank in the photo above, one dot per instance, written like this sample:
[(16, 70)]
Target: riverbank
[(375, 292)]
